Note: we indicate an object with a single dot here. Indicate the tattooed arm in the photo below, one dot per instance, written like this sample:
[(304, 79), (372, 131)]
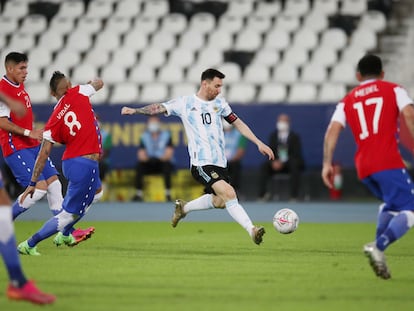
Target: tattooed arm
[(148, 110), (44, 153)]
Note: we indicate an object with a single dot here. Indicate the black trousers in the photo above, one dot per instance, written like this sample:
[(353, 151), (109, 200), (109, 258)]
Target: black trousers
[(153, 166)]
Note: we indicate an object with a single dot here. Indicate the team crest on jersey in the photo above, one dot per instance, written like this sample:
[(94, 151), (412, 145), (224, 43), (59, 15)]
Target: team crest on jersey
[(214, 175)]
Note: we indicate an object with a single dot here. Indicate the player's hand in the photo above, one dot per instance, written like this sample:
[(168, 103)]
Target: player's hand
[(97, 83), (327, 173), (29, 191), (127, 111), (36, 134), (17, 107), (266, 150)]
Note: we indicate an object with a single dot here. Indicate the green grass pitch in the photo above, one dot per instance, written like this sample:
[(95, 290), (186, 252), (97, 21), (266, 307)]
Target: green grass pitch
[(216, 266)]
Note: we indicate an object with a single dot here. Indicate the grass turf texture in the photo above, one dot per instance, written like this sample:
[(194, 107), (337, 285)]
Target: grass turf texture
[(216, 266)]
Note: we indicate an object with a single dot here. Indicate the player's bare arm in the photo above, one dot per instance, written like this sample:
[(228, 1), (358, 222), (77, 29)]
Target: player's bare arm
[(14, 105), (8, 126), (148, 110), (408, 114), (42, 156), (329, 144), (247, 132)]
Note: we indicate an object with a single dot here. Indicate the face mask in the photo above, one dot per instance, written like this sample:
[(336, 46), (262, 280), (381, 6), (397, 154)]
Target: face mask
[(282, 126), (153, 127)]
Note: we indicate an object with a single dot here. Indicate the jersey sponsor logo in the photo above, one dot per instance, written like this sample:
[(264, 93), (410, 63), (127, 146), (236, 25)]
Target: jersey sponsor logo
[(214, 175)]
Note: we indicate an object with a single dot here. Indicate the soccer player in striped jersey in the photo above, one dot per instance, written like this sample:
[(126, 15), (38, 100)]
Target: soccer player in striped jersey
[(73, 124), (19, 287), (202, 115), (372, 111)]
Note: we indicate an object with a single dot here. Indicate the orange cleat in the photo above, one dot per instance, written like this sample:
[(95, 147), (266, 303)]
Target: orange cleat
[(29, 292)]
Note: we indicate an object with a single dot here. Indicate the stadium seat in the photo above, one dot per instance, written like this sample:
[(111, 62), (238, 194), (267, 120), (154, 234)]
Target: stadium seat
[(61, 25), (331, 92), (83, 73), (78, 41), (268, 9), (287, 23), (343, 72), (220, 40), (152, 57), (153, 93), (164, 41), (326, 7), (241, 93), (232, 72), (313, 73), (315, 21), (39, 57), (135, 40), (145, 25), (230, 24), (170, 74), (142, 73), (192, 40), (99, 9), (277, 39), (248, 40), (89, 25), (39, 92), (203, 22), (8, 24), (272, 93), (268, 57), (353, 7), (182, 88), (239, 8), (124, 57), (127, 8), (155, 8), (256, 74), (259, 24), (16, 9), (21, 42), (33, 24), (296, 56), (373, 20), (123, 93), (67, 58), (210, 57), (285, 73), (335, 38), (107, 41), (51, 40), (71, 9), (193, 74), (181, 57), (324, 56), (364, 38), (296, 7), (97, 57), (302, 93), (352, 54), (174, 23), (118, 25), (305, 38)]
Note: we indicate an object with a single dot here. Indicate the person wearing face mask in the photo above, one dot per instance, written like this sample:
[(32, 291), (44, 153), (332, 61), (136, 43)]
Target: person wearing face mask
[(155, 156), (287, 148)]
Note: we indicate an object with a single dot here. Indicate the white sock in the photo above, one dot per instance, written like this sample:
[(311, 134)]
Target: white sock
[(6, 224), (238, 213), (201, 203), (29, 202), (54, 196)]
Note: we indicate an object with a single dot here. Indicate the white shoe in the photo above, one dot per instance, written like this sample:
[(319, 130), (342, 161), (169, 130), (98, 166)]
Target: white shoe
[(377, 260)]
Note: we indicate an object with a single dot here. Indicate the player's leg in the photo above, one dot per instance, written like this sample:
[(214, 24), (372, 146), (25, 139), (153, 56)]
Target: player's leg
[(166, 170), (19, 287)]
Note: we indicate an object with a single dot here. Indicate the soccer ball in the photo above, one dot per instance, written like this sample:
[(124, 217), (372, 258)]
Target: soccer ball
[(286, 221)]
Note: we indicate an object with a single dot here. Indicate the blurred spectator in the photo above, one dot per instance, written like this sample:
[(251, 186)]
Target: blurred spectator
[(235, 149), (155, 156), (287, 148), (105, 161)]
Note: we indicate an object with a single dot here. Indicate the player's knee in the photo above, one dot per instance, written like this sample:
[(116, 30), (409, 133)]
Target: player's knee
[(410, 218), (218, 202), (31, 200), (98, 196), (65, 218)]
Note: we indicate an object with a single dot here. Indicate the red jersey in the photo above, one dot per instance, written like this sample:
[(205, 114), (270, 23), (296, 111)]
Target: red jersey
[(372, 110), (11, 142), (73, 124)]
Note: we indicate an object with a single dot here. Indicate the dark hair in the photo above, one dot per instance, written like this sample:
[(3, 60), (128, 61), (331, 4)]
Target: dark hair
[(370, 65), (16, 57), (54, 80), (210, 74)]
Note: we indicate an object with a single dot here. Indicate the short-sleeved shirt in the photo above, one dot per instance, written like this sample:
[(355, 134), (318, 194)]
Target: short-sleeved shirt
[(73, 124), (11, 142), (371, 110), (202, 122)]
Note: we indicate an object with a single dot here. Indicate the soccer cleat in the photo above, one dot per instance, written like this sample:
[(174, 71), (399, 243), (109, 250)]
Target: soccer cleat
[(68, 240), (377, 260), (25, 249), (178, 212), (83, 233), (257, 234), (29, 292)]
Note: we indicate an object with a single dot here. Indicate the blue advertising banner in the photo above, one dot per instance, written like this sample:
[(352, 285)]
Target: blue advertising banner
[(309, 121)]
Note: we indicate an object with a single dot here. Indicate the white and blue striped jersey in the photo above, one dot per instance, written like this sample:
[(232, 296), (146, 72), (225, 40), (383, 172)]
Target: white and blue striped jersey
[(202, 122)]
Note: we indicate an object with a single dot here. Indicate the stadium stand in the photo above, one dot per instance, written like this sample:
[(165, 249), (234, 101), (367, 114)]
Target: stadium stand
[(254, 42)]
